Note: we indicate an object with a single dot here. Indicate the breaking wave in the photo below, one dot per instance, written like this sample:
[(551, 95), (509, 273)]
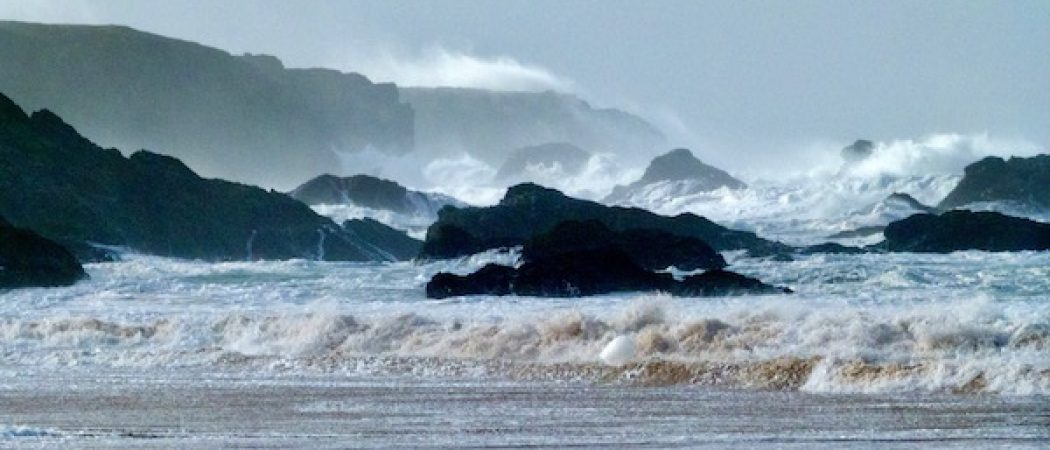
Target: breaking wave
[(974, 346)]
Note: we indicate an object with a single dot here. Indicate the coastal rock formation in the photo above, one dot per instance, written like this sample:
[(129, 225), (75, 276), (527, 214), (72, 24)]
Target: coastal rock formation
[(245, 118), (28, 260), (651, 249), (528, 210), (858, 151), (395, 245), (682, 168), (371, 192), (965, 230), (66, 188), (581, 273), (1022, 181)]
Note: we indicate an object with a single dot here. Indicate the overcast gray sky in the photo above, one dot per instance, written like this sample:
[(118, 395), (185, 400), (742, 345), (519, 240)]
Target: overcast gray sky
[(739, 81)]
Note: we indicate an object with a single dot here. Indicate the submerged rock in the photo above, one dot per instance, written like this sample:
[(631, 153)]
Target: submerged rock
[(965, 230), (528, 210), (28, 259), (677, 166), (1023, 181)]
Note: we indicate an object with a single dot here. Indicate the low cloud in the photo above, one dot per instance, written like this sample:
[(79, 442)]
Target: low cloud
[(438, 66)]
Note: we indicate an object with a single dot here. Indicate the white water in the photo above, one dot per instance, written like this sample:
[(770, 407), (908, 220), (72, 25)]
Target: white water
[(873, 323)]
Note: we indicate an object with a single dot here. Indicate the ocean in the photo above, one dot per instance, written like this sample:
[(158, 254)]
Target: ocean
[(887, 350)]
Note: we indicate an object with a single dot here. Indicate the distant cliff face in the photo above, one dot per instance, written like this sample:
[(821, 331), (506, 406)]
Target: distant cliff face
[(491, 125), (245, 118)]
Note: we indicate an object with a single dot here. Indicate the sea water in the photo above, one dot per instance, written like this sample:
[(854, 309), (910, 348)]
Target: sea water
[(337, 350)]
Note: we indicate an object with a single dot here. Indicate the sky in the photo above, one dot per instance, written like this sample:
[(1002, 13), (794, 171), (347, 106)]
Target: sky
[(740, 82)]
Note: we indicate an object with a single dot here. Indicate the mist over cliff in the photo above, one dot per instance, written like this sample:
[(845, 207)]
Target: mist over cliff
[(249, 118)]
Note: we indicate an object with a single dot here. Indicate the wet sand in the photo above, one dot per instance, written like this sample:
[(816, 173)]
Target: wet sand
[(180, 409)]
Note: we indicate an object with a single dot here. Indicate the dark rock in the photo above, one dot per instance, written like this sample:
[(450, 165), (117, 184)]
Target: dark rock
[(651, 249), (831, 248), (528, 210), (64, 187), (858, 232), (30, 260), (1024, 181), (569, 157), (587, 272), (395, 244), (584, 270), (371, 192), (965, 230), (678, 165), (858, 151), (493, 279), (714, 283)]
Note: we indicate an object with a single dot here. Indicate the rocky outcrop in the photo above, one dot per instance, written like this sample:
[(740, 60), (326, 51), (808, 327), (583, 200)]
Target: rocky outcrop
[(651, 249), (965, 230), (563, 156), (858, 151), (246, 118), (681, 168), (395, 245), (66, 188), (29, 260), (1022, 181), (589, 272), (528, 210), (371, 192)]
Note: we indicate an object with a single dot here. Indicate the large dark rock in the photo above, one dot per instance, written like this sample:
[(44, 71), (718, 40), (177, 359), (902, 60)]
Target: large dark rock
[(589, 272), (719, 283), (66, 188), (396, 245), (246, 118), (493, 279), (1024, 181), (651, 249), (27, 259), (965, 230), (679, 165), (528, 210), (570, 158), (371, 192)]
